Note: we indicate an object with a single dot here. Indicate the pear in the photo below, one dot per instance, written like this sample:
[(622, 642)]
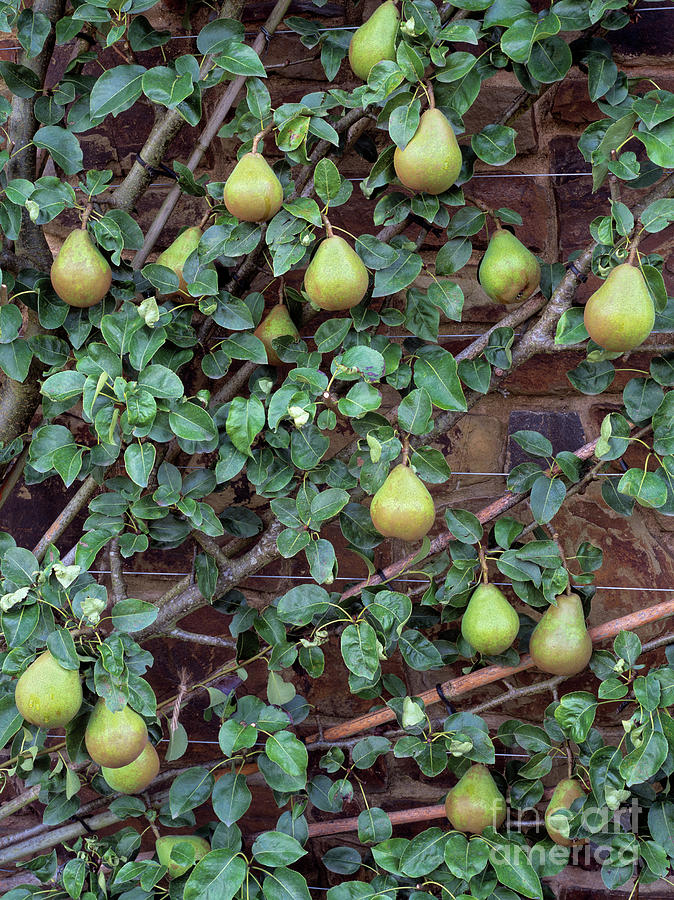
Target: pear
[(475, 802), (565, 793), (336, 277), (165, 845), (375, 40), (135, 776), (509, 272), (80, 274), (431, 162), (402, 507), (114, 739), (489, 624), (620, 314), (48, 695), (175, 255), (276, 324), (253, 193), (560, 643)]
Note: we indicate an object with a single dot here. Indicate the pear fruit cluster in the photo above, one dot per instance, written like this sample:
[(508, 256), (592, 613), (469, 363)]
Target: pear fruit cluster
[(164, 845), (509, 272), (402, 507), (431, 161), (375, 40), (253, 193), (176, 254), (475, 802), (489, 624), (620, 314), (336, 277), (560, 643), (135, 776), (80, 274), (277, 323)]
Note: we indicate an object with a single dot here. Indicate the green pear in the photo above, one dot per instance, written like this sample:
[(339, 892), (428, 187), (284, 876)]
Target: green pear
[(402, 507), (489, 624), (275, 325), (48, 695), (165, 845), (509, 272), (565, 793), (114, 739), (175, 255), (80, 274), (475, 802), (336, 277), (620, 314), (135, 776), (375, 40), (431, 162), (253, 193), (560, 643)]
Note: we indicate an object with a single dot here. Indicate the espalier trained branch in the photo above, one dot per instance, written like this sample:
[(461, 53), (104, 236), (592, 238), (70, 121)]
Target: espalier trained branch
[(267, 352)]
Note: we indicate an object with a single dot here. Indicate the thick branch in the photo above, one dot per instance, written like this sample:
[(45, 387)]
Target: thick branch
[(71, 509)]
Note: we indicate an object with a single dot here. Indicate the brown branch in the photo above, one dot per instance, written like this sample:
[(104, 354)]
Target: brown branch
[(63, 520), (118, 588)]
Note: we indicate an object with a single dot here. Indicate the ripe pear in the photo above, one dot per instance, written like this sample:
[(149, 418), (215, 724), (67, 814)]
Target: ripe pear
[(80, 274), (137, 775), (509, 272), (475, 802), (402, 507), (114, 739), (620, 314), (175, 255), (165, 845), (253, 193), (48, 695), (489, 624), (560, 643), (336, 277), (565, 793), (375, 40), (276, 324), (431, 162)]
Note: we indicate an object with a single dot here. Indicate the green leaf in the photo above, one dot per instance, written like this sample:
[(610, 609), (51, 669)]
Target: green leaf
[(32, 30), (644, 761), (63, 147), (435, 371), (15, 359), (189, 790), (359, 650), (646, 488), (533, 443), (288, 753), (274, 848), (240, 59), (116, 90), (138, 462), (575, 713), (245, 421), (546, 498), (231, 797), (11, 719), (659, 144), (61, 645), (300, 604), (415, 411), (133, 615), (192, 423), (20, 80), (512, 867), (464, 525), (327, 180), (219, 874), (374, 825), (424, 853), (285, 884), (495, 144)]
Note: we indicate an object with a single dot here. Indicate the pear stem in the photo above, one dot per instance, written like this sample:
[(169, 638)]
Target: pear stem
[(569, 759), (483, 562), (555, 538), (406, 451), (206, 216), (328, 227), (281, 292), (633, 249), (258, 137), (85, 215), (431, 95)]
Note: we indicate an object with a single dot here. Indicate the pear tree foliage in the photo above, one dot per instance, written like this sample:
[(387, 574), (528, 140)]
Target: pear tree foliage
[(175, 399)]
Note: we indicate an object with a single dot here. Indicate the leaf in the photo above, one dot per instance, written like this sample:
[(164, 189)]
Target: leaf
[(20, 80), (139, 461), (327, 180), (359, 650), (288, 753), (192, 423), (495, 144), (231, 797), (245, 420), (435, 371), (133, 615), (645, 760), (274, 848), (285, 884), (15, 359), (189, 789), (240, 59), (63, 147), (512, 867), (546, 498), (116, 90), (219, 874)]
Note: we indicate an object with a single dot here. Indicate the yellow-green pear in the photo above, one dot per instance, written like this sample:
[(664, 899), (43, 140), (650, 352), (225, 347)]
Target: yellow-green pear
[(620, 314), (48, 695), (489, 624), (565, 793), (560, 643), (509, 272), (336, 277), (80, 274), (402, 507), (275, 325), (475, 802), (114, 739), (175, 255), (137, 775), (165, 845), (375, 40), (253, 193), (431, 162)]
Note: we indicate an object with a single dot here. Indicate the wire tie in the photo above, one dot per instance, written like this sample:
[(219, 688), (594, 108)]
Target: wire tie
[(266, 34), (84, 825), (381, 574), (581, 276), (441, 694), (161, 169)]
